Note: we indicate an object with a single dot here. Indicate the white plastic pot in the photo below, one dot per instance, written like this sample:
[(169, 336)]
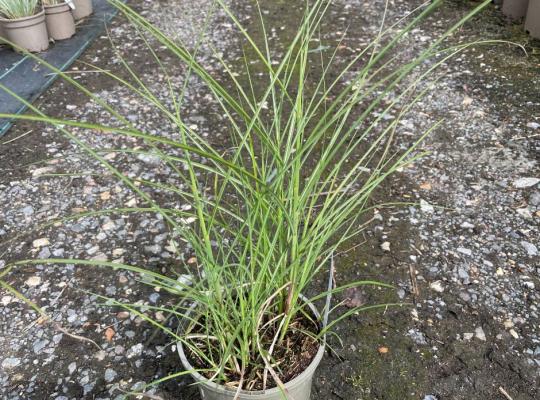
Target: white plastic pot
[(83, 8), (298, 389)]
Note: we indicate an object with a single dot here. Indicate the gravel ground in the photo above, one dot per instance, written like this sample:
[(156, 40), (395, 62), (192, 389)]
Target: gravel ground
[(466, 257)]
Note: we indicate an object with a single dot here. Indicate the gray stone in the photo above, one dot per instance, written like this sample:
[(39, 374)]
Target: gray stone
[(463, 275), (149, 159), (135, 350), (153, 249), (534, 199), (39, 345), (27, 211), (465, 251), (110, 374), (530, 248), (466, 297), (11, 362), (44, 253), (467, 225)]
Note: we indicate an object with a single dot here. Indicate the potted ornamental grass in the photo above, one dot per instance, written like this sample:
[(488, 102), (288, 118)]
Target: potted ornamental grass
[(23, 24), (264, 215), (82, 9), (59, 19)]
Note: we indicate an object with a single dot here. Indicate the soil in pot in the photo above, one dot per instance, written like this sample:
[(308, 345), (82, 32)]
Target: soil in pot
[(83, 8), (294, 356), (60, 22), (29, 33)]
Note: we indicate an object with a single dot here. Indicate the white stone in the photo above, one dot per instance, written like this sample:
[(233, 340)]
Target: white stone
[(7, 300), (437, 286), (42, 171), (479, 333), (426, 207), (10, 362), (523, 183), (33, 281), (40, 243), (465, 251)]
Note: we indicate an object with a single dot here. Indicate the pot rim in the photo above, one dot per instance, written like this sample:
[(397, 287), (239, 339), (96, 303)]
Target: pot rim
[(7, 20), (53, 6), (310, 369)]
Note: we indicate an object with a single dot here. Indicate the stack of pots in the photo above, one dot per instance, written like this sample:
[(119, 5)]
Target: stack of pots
[(528, 9), (53, 21)]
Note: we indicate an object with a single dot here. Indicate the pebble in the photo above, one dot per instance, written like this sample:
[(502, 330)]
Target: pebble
[(153, 249), (465, 251), (149, 159), (39, 345), (385, 246), (110, 374), (40, 242), (135, 350), (72, 367), (11, 362), (534, 199), (523, 183), (437, 286), (426, 207), (33, 281), (27, 211), (44, 253), (479, 333), (530, 248)]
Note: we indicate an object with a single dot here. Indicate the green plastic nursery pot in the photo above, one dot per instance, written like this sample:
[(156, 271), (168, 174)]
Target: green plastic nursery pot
[(29, 33), (82, 9), (515, 9), (532, 22), (60, 22), (298, 388)]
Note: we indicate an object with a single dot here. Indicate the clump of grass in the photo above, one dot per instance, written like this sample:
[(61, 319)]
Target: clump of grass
[(14, 9), (308, 152)]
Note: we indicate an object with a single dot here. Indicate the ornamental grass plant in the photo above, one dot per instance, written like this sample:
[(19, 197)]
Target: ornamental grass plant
[(266, 215), (14, 9)]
